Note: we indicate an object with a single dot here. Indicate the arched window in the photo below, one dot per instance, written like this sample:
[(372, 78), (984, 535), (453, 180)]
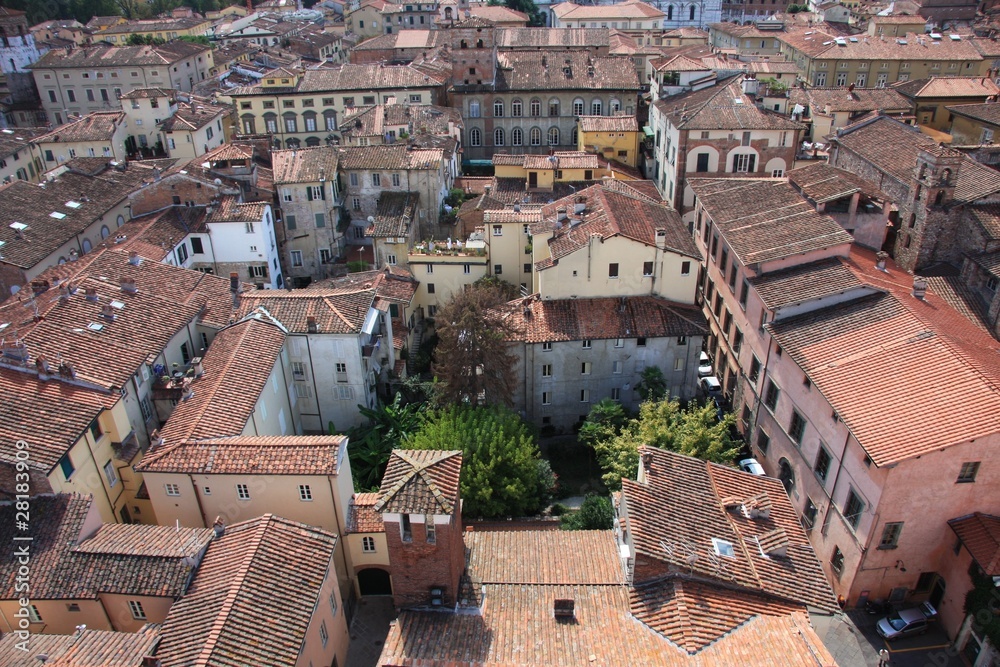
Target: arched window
[(309, 119), (553, 136), (479, 43), (578, 106), (292, 143), (536, 107), (105, 232), (553, 107), (87, 245), (475, 137), (464, 44), (447, 13), (291, 122), (614, 106), (596, 108), (691, 13), (330, 120), (536, 136), (786, 475), (312, 141), (516, 137), (573, 141), (249, 126), (271, 123), (121, 220), (516, 109), (62, 260), (670, 13), (498, 137), (498, 109)]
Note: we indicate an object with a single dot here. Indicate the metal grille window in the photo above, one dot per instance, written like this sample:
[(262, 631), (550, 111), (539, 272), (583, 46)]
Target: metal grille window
[(243, 492), (890, 535), (853, 509), (305, 493)]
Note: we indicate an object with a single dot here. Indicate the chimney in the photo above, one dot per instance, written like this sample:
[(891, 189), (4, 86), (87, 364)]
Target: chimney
[(155, 440), (561, 214), (66, 370), (64, 293), (580, 206), (881, 256), (72, 288), (150, 661), (919, 287), (486, 190), (234, 282), (92, 295), (647, 460), (219, 527), (197, 367), (133, 258), (564, 608), (311, 325), (42, 366), (108, 312), (128, 285)]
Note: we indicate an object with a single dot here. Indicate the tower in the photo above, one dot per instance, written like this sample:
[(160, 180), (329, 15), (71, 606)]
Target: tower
[(473, 52), (421, 510), (927, 222)]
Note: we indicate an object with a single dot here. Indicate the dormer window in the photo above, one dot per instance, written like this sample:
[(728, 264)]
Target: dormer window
[(723, 548)]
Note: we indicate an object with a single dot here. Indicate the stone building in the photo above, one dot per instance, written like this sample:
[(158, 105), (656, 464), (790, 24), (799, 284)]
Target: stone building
[(18, 48)]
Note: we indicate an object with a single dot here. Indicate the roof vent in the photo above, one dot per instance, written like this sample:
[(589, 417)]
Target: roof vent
[(881, 256), (92, 295), (133, 258), (773, 543), (919, 287), (128, 286), (757, 507), (108, 311), (311, 325), (564, 608)]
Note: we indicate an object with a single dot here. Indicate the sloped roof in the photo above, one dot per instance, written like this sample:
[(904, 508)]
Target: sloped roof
[(570, 70), (980, 533), (361, 514), (83, 649), (987, 113), (825, 100), (236, 368), (805, 282), (899, 339), (822, 182), (390, 156), (544, 557), (948, 86), (394, 214), (99, 56), (721, 107), (129, 559), (18, 139), (630, 9), (238, 584), (347, 77), (420, 482), (533, 38), (608, 124), (336, 310), (766, 219), (684, 503), (304, 165), (249, 455)]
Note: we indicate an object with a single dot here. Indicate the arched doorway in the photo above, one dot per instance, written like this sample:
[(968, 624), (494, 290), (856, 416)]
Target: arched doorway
[(786, 475), (373, 581)]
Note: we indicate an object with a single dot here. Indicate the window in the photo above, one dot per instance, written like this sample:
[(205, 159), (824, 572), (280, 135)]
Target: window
[(616, 367), (377, 180), (248, 228), (647, 268), (395, 180), (619, 342), (475, 137), (66, 465), (138, 613), (822, 466), (744, 163), (585, 368), (968, 472), (546, 347), (853, 509), (596, 108), (368, 545), (763, 441), (809, 514), (324, 636), (498, 137), (890, 535), (33, 614), (404, 527), (354, 179), (553, 136), (110, 473), (431, 531), (586, 344), (585, 396), (797, 427), (535, 136), (516, 137), (243, 492), (578, 107), (430, 268), (356, 205), (837, 560), (296, 258), (305, 493), (754, 370), (95, 428), (771, 396), (613, 270), (546, 398), (536, 107), (640, 341), (498, 109), (498, 270), (72, 606), (172, 489)]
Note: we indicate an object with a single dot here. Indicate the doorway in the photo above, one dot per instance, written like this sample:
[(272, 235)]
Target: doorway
[(373, 581)]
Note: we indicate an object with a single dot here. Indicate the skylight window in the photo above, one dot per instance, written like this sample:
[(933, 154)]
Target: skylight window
[(117, 304), (73, 204), (18, 226), (57, 215), (97, 326), (723, 548)]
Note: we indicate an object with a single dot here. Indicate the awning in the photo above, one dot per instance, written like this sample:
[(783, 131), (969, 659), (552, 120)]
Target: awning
[(647, 130), (370, 319), (478, 163)]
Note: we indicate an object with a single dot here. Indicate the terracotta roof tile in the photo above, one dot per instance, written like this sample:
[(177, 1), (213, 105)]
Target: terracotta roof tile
[(361, 514), (238, 584), (948, 86), (674, 515), (96, 126), (154, 236), (533, 38), (900, 339), (544, 557), (420, 482), (390, 156), (236, 369), (722, 107), (336, 310), (394, 214), (231, 209), (805, 282), (630, 9), (249, 455), (193, 116), (987, 113), (102, 56), (64, 571), (764, 219), (822, 182), (827, 100), (553, 320), (304, 165), (83, 649), (354, 77), (17, 139), (980, 533), (571, 70)]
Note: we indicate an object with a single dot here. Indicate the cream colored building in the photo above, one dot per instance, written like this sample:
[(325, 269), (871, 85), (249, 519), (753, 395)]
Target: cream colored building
[(98, 134), (443, 272), (195, 128), (612, 137), (93, 78), (19, 156), (165, 29), (145, 109)]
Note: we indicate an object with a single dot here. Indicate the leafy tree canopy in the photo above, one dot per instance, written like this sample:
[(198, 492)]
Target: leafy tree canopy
[(389, 427), (500, 460), (695, 431), (596, 513)]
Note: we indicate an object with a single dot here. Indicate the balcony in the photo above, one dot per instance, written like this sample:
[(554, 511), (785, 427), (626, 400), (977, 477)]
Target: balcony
[(368, 350), (126, 450)]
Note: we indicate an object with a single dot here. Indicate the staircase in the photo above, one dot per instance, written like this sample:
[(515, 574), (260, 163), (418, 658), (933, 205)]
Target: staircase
[(418, 337)]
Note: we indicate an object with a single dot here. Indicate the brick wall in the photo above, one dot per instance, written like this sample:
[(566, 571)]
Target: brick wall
[(160, 194), (417, 566)]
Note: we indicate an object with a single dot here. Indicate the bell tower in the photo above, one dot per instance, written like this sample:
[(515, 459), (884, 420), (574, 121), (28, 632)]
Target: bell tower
[(927, 219)]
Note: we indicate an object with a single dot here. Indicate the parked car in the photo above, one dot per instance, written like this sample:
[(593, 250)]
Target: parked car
[(752, 466), (906, 622), (705, 367), (710, 386)]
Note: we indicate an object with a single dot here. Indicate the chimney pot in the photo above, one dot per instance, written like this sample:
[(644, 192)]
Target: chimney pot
[(219, 527), (919, 287), (128, 285), (197, 367), (234, 282), (108, 311), (92, 294), (311, 324), (133, 258), (881, 256)]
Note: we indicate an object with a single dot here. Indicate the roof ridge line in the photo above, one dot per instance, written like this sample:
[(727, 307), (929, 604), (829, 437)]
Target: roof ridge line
[(733, 527), (326, 300)]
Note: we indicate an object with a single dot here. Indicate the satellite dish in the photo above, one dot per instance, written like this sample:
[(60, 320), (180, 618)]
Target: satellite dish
[(371, 218)]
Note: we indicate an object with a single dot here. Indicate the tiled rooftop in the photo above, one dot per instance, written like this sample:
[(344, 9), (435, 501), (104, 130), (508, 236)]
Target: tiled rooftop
[(62, 570), (570, 70), (193, 116), (721, 107), (231, 209), (764, 219), (948, 86), (249, 455), (823, 183), (901, 340), (805, 282), (236, 369), (148, 93), (17, 139), (555, 320), (420, 482), (534, 38), (154, 236), (89, 648), (630, 9), (304, 165), (238, 585), (980, 534), (348, 77), (361, 514), (390, 156), (549, 557), (336, 310), (987, 113), (100, 56), (827, 100), (394, 214)]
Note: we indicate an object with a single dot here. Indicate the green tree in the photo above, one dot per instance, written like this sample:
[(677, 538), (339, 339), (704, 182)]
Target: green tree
[(138, 39), (195, 39), (605, 420), (596, 513), (500, 459), (695, 431), (473, 359), (981, 604), (652, 385), (389, 426), (536, 18)]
